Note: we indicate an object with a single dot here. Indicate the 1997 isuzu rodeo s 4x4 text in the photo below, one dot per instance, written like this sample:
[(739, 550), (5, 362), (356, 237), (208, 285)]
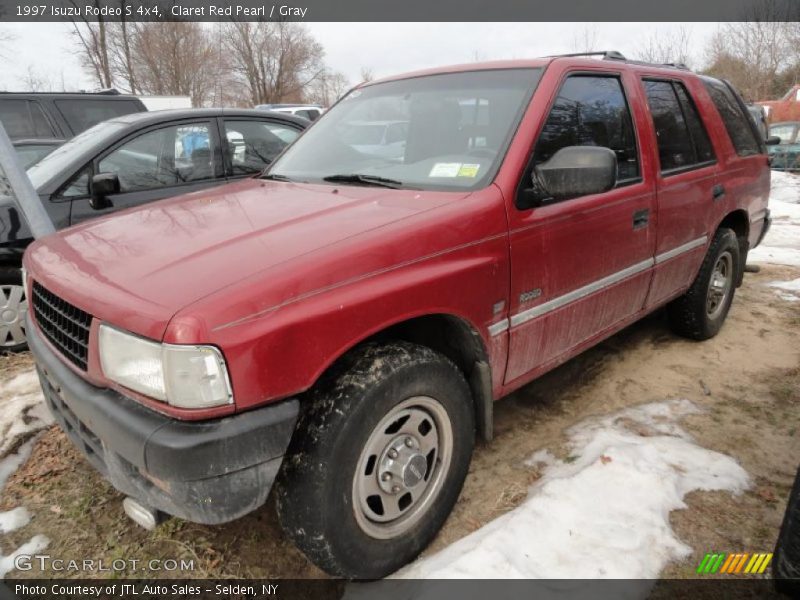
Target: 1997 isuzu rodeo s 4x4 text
[(340, 326)]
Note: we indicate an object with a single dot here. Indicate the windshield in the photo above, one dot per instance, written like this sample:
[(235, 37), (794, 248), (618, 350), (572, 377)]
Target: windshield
[(445, 132), (62, 157)]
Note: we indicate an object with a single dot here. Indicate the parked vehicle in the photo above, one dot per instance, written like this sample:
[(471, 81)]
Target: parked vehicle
[(341, 327), (386, 139), (785, 109), (759, 115), (32, 151), (785, 156), (129, 161), (36, 122), (307, 111)]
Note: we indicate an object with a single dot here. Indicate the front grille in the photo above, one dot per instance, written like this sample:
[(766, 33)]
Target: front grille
[(65, 326)]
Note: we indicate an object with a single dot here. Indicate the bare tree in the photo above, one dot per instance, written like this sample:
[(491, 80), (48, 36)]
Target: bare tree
[(327, 88), (366, 75), (274, 61), (174, 58), (585, 40), (667, 46), (752, 55), (93, 40)]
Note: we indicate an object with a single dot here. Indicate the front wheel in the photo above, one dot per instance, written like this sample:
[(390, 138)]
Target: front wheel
[(377, 461), (13, 306), (701, 311)]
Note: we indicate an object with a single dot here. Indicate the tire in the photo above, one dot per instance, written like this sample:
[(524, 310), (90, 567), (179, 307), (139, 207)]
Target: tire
[(13, 305), (326, 491), (786, 566), (701, 311)]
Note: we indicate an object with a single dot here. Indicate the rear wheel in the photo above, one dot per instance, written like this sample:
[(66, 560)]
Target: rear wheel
[(701, 311), (13, 306), (377, 461)]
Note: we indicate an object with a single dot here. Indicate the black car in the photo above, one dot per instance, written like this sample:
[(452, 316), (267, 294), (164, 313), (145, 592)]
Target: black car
[(131, 160), (38, 123)]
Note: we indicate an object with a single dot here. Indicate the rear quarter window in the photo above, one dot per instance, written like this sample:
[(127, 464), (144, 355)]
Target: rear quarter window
[(83, 113), (24, 119), (737, 123)]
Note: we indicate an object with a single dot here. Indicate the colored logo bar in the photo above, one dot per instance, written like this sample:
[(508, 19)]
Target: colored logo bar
[(734, 564)]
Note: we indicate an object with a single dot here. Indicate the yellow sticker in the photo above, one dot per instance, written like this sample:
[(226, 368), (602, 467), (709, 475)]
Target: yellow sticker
[(468, 170)]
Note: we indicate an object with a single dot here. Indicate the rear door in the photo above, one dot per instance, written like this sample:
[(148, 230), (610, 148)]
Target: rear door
[(159, 162), (687, 185), (581, 266)]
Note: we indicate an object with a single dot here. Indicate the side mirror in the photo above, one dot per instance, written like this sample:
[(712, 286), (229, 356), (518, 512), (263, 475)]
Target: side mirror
[(103, 185), (772, 140), (572, 171)]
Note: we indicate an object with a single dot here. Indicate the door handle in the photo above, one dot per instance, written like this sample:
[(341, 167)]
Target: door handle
[(641, 218), (718, 191)]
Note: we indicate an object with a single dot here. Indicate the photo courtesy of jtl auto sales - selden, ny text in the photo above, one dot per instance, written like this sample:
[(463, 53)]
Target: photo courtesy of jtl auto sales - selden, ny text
[(450, 300)]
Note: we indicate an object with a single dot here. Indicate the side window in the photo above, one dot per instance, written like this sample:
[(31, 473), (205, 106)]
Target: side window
[(700, 139), (591, 111), (682, 140), (252, 145), (78, 187), (24, 119), (162, 157), (735, 120)]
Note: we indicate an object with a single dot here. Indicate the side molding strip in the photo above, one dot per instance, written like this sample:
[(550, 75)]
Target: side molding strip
[(596, 286), (701, 241), (574, 295)]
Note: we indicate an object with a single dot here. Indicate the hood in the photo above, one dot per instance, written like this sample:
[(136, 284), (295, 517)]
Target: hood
[(143, 265)]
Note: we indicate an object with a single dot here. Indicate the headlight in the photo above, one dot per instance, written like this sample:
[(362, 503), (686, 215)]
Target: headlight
[(183, 376)]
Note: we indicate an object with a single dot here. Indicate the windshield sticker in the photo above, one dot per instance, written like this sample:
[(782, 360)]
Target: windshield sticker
[(445, 170), (468, 170)]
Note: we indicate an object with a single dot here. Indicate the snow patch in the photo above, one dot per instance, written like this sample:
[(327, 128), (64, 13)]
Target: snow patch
[(36, 544), (632, 468), (22, 410), (14, 519), (789, 290), (781, 246)]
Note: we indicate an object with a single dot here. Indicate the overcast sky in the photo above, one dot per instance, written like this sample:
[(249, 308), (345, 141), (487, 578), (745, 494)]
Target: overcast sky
[(49, 50)]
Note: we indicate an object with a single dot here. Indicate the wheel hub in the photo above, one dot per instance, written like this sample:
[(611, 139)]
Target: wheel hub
[(402, 466), (13, 306)]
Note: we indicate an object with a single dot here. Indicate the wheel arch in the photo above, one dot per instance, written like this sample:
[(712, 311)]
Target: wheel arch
[(454, 337), (739, 222)]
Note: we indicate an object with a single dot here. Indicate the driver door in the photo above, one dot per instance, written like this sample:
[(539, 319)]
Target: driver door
[(160, 162), (583, 265)]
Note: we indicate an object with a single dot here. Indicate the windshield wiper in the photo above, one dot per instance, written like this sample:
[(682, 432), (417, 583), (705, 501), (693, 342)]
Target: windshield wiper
[(364, 179), (275, 177)]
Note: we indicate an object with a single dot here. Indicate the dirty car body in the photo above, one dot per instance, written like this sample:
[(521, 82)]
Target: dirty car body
[(478, 256)]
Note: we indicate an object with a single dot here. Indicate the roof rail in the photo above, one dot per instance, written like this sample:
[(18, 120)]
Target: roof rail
[(606, 54)]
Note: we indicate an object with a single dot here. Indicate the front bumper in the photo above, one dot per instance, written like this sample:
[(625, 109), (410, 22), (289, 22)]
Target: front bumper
[(207, 471)]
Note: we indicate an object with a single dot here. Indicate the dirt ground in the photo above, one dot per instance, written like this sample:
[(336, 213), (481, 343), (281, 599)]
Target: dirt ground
[(747, 379)]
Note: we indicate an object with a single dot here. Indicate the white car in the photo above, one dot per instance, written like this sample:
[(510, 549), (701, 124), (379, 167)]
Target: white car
[(307, 111)]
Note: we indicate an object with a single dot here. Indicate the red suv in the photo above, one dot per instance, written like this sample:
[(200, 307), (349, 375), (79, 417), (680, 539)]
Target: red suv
[(341, 325)]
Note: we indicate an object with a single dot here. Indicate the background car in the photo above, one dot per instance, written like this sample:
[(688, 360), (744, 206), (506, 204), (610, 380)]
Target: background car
[(32, 151), (307, 111), (785, 156), (36, 122), (131, 160)]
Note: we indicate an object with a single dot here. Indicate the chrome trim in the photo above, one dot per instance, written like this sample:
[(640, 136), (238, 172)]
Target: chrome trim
[(498, 328), (582, 292), (701, 241)]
